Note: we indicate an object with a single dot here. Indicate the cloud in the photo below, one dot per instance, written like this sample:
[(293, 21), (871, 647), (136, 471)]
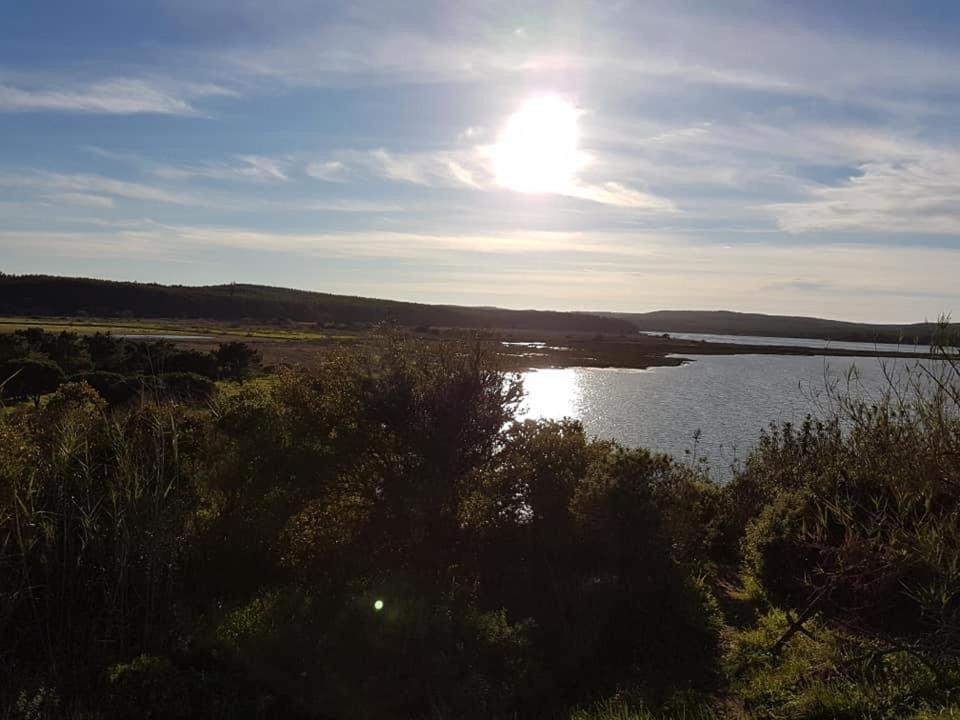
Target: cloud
[(625, 271), (910, 196), (257, 168), (664, 47), (359, 244), (619, 195), (383, 244), (472, 168), (368, 207), (89, 185), (802, 286), (116, 96), (454, 168), (85, 199), (329, 171)]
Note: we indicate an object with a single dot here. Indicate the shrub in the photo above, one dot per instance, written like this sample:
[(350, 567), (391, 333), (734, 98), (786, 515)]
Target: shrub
[(112, 387), (148, 687), (236, 360), (184, 386), (191, 361), (30, 378), (825, 674), (858, 519), (92, 521), (104, 349)]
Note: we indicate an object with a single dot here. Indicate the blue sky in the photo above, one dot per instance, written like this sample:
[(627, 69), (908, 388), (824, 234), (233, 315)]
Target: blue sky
[(758, 156)]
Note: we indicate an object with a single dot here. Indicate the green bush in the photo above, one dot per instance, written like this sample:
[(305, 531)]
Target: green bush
[(115, 388), (191, 361), (871, 532), (825, 675), (376, 537), (148, 687), (236, 360), (184, 386), (29, 378), (93, 522)]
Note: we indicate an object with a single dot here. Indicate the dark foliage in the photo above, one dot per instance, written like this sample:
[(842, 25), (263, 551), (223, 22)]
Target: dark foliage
[(183, 386), (112, 387), (29, 378), (236, 360), (118, 369), (518, 567), (379, 538), (857, 520)]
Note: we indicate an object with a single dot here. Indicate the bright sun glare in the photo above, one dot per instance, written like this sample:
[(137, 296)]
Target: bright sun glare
[(537, 151)]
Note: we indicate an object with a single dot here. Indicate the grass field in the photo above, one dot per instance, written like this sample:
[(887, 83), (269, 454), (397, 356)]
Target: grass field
[(300, 333), (302, 343)]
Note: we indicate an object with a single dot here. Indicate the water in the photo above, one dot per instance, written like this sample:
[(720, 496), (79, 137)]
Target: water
[(728, 398), (801, 342)]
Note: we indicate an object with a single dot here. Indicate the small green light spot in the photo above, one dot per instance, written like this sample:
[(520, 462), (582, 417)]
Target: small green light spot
[(378, 605)]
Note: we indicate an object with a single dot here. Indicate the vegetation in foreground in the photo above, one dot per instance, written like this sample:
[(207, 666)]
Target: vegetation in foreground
[(376, 537), (34, 363)]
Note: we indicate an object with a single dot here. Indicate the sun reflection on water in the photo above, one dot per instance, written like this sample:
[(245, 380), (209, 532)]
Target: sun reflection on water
[(551, 393)]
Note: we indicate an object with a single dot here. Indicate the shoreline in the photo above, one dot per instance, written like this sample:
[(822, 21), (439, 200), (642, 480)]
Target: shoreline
[(651, 352), (517, 350)]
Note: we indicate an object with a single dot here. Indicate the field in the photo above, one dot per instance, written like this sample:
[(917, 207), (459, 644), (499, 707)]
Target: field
[(298, 332), (302, 343)]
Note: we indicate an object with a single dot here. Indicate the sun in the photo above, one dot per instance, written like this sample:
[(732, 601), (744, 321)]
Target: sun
[(538, 149)]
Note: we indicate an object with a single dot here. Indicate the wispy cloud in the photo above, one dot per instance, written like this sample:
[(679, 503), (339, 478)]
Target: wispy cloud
[(84, 199), (449, 168), (670, 47), (619, 195), (258, 168), (907, 189), (89, 185), (471, 168), (115, 96), (329, 171)]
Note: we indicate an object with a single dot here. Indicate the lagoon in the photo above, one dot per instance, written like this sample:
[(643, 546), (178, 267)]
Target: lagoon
[(729, 399)]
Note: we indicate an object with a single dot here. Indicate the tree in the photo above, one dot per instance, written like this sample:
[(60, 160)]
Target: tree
[(112, 387), (13, 346), (29, 378), (191, 361), (67, 350), (185, 386), (104, 350), (236, 360)]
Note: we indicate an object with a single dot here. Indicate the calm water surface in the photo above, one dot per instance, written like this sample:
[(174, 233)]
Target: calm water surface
[(728, 398), (801, 342)]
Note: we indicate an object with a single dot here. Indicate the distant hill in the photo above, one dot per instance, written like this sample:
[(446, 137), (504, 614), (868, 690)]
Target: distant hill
[(723, 322), (50, 295)]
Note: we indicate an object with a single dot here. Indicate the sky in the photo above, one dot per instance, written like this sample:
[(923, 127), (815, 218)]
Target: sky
[(781, 157)]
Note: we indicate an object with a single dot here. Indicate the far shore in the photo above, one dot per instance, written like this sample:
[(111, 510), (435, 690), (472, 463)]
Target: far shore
[(306, 343), (653, 351)]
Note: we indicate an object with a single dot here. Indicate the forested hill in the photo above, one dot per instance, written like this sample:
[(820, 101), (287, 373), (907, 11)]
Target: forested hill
[(722, 322), (48, 295)]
